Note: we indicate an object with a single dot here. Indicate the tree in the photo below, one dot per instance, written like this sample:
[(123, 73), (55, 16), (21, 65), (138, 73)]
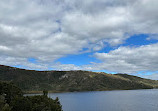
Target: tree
[(45, 92), (6, 107), (10, 91), (12, 99)]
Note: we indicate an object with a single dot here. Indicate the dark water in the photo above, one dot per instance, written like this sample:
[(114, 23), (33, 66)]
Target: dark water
[(122, 100)]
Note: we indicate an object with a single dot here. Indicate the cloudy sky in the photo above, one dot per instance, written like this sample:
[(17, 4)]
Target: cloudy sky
[(114, 36)]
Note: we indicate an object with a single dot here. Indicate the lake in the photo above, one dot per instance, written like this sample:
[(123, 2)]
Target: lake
[(118, 100)]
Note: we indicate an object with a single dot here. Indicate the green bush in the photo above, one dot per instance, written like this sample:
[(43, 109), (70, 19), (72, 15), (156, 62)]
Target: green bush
[(12, 99)]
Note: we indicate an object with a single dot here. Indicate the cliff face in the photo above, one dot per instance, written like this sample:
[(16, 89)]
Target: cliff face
[(30, 80)]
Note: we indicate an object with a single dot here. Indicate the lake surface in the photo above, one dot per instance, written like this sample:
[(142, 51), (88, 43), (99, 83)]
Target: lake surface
[(120, 100)]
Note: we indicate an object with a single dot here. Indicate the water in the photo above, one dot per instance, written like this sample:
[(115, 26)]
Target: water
[(120, 100)]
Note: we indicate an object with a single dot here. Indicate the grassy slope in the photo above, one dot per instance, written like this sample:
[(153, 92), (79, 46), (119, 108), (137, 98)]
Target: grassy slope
[(60, 81)]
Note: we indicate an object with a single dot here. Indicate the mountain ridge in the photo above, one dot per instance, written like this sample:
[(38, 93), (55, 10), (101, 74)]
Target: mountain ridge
[(68, 81)]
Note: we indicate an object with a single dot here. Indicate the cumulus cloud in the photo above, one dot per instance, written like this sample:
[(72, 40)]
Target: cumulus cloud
[(129, 59), (49, 29), (152, 76), (23, 63)]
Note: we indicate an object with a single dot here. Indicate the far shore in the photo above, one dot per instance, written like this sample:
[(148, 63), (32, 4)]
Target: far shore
[(40, 92)]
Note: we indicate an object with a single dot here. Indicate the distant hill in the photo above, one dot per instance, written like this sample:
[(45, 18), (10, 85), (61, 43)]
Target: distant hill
[(63, 81)]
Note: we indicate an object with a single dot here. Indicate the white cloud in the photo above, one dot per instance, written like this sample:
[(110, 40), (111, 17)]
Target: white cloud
[(151, 76), (129, 59), (48, 30), (66, 67), (23, 63)]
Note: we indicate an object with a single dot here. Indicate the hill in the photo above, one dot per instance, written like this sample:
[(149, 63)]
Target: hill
[(65, 81)]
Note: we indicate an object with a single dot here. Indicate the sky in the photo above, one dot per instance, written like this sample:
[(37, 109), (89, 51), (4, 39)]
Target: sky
[(113, 36)]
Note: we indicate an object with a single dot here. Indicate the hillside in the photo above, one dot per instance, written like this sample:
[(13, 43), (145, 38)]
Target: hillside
[(58, 81)]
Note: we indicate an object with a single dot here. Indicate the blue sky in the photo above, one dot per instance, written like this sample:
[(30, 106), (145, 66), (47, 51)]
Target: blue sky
[(117, 36), (86, 58)]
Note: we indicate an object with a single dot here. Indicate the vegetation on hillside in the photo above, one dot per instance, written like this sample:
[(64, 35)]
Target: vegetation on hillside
[(61, 81), (12, 99)]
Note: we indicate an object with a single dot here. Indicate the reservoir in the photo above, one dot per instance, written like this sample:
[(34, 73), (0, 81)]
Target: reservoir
[(118, 100)]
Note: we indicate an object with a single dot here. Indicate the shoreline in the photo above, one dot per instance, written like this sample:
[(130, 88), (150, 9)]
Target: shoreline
[(40, 92)]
